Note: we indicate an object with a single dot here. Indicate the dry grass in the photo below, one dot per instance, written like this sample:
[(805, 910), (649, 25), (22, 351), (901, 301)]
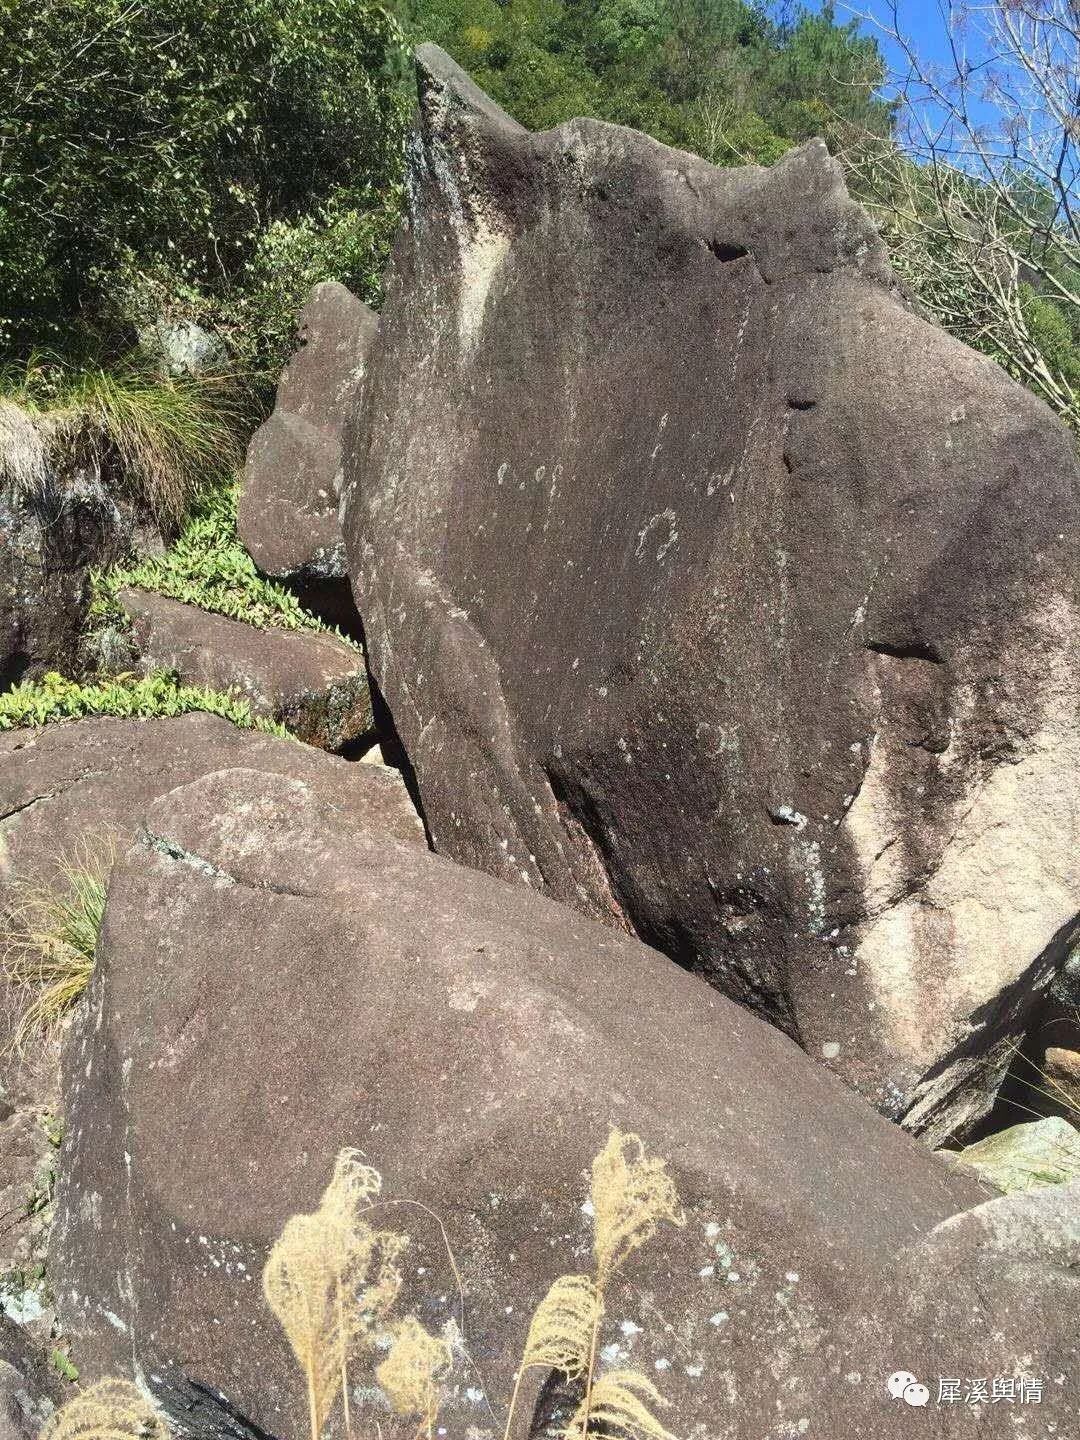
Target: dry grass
[(52, 934), (24, 460), (332, 1279), (110, 1410)]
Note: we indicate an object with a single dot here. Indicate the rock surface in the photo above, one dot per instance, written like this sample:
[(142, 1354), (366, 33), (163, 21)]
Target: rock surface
[(980, 1302), (314, 683), (28, 1392), (54, 528), (288, 512), (89, 783), (777, 669), (475, 1041)]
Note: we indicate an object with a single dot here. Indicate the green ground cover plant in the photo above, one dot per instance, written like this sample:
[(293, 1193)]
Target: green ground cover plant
[(159, 695), (208, 567)]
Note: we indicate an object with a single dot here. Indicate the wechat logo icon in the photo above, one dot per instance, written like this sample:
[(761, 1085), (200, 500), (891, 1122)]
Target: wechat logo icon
[(904, 1386)]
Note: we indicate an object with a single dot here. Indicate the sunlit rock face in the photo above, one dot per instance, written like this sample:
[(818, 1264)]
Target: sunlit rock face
[(716, 593)]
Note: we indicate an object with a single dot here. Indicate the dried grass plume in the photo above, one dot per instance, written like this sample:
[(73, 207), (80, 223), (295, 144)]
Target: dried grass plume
[(631, 1193), (331, 1279), (617, 1405), (110, 1410), (410, 1375)]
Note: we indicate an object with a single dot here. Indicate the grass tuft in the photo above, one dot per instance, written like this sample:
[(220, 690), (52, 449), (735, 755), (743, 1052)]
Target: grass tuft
[(165, 439), (52, 940)]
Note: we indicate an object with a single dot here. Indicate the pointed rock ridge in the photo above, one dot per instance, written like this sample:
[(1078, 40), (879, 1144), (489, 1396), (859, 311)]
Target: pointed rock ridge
[(717, 593)]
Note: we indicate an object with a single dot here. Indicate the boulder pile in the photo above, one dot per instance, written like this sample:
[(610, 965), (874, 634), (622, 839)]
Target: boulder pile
[(723, 623)]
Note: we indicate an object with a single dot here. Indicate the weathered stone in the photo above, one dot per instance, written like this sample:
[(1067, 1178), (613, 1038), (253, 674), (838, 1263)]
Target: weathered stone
[(989, 1298), (1060, 1080), (715, 592), (475, 1041), (314, 683), (183, 348), (288, 512), (1027, 1156), (87, 784), (55, 526), (28, 1392)]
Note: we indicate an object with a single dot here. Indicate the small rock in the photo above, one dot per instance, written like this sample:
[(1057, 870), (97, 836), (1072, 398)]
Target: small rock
[(183, 348), (288, 512), (1061, 1079), (1028, 1156)]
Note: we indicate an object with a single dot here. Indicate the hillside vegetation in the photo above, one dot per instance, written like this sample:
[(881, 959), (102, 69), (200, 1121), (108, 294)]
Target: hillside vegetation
[(209, 162)]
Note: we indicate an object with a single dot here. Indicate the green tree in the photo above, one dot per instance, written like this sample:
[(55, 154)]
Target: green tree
[(166, 139)]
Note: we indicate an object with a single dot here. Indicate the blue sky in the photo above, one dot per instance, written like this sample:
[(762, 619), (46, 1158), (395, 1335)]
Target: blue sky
[(922, 20), (923, 23)]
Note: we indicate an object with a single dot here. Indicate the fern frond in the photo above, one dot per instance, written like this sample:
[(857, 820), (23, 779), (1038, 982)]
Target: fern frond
[(330, 1279), (631, 1193), (409, 1376), (561, 1333), (619, 1404), (110, 1410)]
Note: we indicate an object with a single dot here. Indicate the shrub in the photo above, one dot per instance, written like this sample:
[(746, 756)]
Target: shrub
[(170, 137), (159, 695), (52, 938)]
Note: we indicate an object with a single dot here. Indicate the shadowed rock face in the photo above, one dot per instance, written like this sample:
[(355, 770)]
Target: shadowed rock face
[(279, 977), (288, 512), (57, 523), (716, 593)]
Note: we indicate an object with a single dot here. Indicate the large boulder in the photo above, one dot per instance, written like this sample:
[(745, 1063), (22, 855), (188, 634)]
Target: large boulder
[(278, 978), (76, 791), (62, 514), (715, 592), (314, 683), (287, 516)]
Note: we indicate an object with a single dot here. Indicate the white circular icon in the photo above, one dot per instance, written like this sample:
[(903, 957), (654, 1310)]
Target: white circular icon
[(917, 1394), (899, 1382)]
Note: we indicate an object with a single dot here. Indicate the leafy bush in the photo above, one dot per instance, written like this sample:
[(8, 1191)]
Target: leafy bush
[(207, 566), (161, 438), (54, 698), (51, 939), (166, 140)]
